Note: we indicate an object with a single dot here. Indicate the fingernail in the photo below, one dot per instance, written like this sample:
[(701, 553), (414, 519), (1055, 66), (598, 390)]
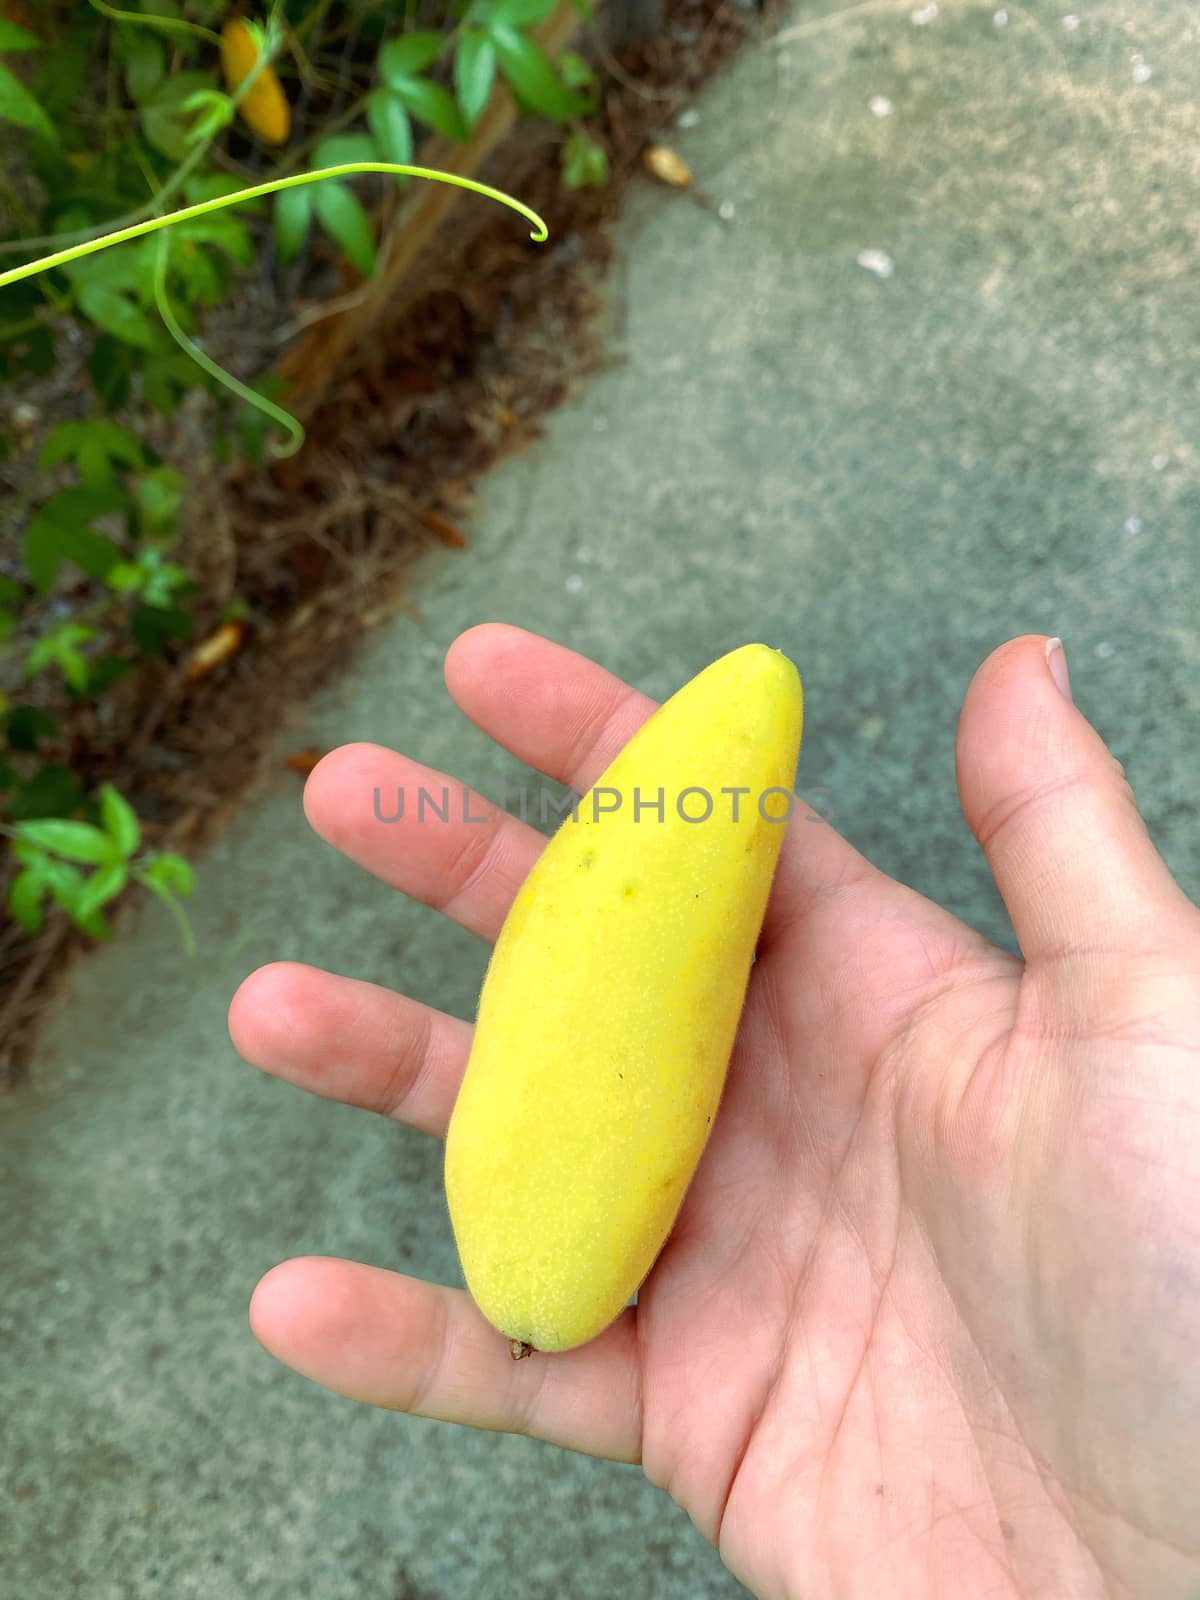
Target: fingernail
[(1056, 660)]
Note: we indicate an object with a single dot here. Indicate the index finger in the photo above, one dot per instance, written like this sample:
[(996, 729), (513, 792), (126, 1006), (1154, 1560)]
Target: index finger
[(552, 708), (561, 713)]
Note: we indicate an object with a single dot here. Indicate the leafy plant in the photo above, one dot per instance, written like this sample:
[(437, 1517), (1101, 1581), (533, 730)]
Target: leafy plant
[(124, 120), (17, 105), (51, 852)]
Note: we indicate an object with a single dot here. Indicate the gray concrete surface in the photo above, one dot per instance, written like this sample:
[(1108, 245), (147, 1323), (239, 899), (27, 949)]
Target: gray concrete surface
[(883, 475)]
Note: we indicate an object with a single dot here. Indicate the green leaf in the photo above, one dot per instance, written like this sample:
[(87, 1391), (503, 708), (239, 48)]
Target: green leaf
[(575, 72), (103, 885), (25, 896), (28, 724), (120, 820), (474, 73), (342, 148), (109, 365), (94, 445), (11, 592), (166, 377), (583, 162), (159, 495), (126, 269), (117, 314), (95, 462), (531, 76), (126, 577), (198, 278), (151, 626), (165, 581), (51, 792), (293, 218), (409, 55), (104, 671), (60, 647), (19, 106), (65, 68), (520, 13), (215, 185), (64, 883), (347, 224), (30, 350), (164, 120), (77, 841), (58, 532), (46, 544), (221, 230), (158, 582), (388, 122), (144, 59), (14, 38), (172, 872), (432, 105), (75, 670)]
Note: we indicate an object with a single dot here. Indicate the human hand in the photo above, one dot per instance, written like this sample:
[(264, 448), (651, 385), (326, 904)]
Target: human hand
[(927, 1322)]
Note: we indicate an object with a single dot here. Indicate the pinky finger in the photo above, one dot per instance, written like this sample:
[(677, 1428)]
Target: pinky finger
[(406, 1345)]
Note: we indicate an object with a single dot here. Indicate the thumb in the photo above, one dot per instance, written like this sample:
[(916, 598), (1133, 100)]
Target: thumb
[(1055, 816)]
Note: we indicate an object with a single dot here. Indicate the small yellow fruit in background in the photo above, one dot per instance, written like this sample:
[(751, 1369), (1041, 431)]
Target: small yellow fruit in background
[(610, 1005), (264, 106)]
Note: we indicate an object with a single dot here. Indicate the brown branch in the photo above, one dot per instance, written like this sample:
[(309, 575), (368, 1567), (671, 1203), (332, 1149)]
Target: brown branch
[(410, 222)]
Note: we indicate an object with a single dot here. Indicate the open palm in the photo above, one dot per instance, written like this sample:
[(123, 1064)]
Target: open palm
[(927, 1322)]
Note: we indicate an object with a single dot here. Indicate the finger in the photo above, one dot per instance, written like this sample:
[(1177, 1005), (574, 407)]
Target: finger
[(406, 1345), (566, 716), (554, 709), (1055, 816), (422, 832), (452, 849), (351, 1041)]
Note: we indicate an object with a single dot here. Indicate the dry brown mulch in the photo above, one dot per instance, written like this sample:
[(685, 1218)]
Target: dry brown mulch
[(318, 547)]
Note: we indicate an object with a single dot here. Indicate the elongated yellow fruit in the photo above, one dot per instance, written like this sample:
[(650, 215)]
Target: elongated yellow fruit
[(610, 1005), (264, 106)]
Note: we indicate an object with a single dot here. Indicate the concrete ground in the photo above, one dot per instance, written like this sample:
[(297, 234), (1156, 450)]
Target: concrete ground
[(934, 384)]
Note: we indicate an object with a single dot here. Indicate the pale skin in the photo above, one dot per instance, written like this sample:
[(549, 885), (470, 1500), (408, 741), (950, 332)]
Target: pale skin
[(928, 1323)]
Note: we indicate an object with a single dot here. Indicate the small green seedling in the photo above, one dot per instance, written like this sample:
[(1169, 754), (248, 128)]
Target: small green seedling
[(52, 850)]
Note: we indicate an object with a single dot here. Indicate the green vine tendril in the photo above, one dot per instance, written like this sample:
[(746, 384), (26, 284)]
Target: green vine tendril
[(286, 421), (62, 258), (171, 24)]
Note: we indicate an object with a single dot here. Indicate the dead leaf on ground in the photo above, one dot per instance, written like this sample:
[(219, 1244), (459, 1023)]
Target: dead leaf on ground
[(446, 530), (667, 167), (303, 761), (218, 647)]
